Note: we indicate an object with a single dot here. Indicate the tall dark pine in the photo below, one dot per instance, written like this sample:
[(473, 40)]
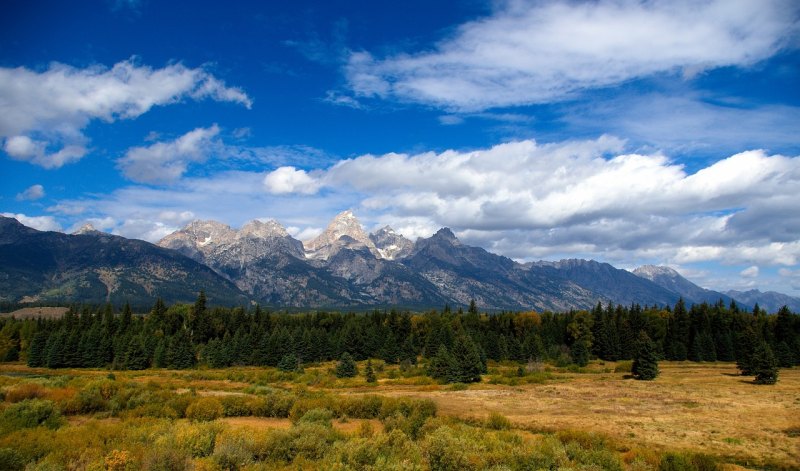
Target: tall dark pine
[(181, 352), (467, 358), (645, 363), (442, 365), (37, 351)]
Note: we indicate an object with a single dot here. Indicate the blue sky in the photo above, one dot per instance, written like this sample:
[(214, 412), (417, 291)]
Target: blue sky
[(630, 132)]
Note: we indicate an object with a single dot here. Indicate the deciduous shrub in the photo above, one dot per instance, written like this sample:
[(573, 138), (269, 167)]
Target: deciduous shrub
[(30, 413), (204, 409), (23, 391)]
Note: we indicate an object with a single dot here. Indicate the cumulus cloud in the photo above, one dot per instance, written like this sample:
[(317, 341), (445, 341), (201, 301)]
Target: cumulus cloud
[(43, 114), (529, 200), (285, 180), (42, 223), (749, 272), (33, 193), (536, 52), (165, 162)]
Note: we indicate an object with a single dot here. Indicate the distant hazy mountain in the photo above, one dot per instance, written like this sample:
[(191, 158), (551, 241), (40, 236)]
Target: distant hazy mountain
[(770, 300), (609, 283), (95, 267), (672, 280)]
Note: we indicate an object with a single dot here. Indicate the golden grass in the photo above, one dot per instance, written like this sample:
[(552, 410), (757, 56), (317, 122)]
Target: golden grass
[(705, 408)]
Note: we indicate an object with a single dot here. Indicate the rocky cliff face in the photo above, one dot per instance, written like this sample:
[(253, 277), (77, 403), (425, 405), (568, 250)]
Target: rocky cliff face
[(95, 267), (391, 245), (343, 231)]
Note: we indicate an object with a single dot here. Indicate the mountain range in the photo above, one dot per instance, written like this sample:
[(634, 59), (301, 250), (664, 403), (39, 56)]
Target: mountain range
[(343, 267)]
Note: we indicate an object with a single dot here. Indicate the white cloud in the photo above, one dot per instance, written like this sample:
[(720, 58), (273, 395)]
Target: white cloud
[(536, 52), (165, 162), (42, 223), (749, 272), (588, 198), (43, 114), (34, 192), (285, 180)]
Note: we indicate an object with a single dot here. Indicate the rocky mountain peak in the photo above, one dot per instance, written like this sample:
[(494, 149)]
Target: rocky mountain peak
[(390, 244), (651, 272), (445, 234), (344, 224), (263, 230), (87, 228)]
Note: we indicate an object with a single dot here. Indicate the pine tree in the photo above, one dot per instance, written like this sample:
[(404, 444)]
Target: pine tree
[(136, 357), (289, 362), (580, 353), (442, 366), (181, 351), (347, 366), (12, 354), (37, 351), (764, 364), (467, 360), (369, 373), (784, 355), (645, 363), (160, 354), (746, 347)]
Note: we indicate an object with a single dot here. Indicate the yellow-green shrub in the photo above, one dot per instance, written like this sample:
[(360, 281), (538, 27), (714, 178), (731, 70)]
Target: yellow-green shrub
[(204, 409), (197, 439)]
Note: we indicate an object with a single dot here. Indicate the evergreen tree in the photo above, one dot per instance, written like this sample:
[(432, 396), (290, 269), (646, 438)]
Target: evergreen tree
[(369, 373), (160, 354), (764, 364), (181, 351), (37, 351), (784, 355), (580, 353), (466, 360), (125, 319), (12, 354), (289, 362), (748, 341), (442, 366), (55, 349), (645, 363), (346, 368), (136, 357)]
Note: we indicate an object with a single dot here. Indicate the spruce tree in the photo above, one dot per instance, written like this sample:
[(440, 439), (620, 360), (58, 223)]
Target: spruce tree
[(746, 347), (442, 366), (764, 364), (645, 363), (784, 355), (346, 368), (181, 351), (467, 360), (580, 353), (369, 373), (289, 363), (37, 351)]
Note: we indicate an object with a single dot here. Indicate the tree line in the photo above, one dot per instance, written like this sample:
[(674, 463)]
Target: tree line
[(455, 344)]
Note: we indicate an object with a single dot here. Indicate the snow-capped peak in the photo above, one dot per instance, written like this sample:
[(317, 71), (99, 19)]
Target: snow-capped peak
[(390, 244)]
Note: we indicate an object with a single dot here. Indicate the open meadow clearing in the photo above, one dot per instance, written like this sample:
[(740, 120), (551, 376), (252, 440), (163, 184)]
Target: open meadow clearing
[(695, 415)]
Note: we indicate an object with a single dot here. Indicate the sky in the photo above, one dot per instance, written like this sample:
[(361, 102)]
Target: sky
[(629, 132)]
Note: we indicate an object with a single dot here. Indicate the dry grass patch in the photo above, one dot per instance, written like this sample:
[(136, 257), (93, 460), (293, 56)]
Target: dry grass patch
[(703, 408)]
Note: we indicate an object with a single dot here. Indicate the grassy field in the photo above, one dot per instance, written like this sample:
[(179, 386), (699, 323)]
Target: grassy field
[(590, 418)]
